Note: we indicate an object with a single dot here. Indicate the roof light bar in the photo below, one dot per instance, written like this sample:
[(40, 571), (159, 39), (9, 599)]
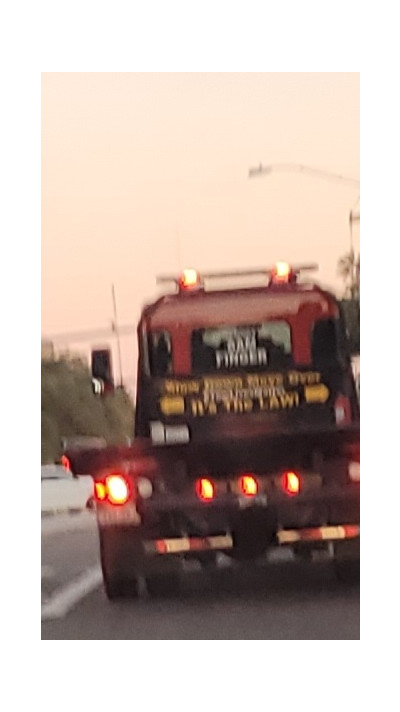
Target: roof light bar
[(256, 272)]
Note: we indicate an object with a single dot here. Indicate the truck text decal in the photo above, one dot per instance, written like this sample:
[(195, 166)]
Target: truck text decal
[(242, 394)]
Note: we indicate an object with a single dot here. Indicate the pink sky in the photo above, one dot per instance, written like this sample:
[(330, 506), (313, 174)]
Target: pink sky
[(145, 173)]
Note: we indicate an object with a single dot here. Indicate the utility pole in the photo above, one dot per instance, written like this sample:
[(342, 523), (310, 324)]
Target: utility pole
[(115, 330)]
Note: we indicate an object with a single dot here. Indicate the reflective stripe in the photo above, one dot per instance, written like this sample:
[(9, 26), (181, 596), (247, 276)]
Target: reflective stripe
[(287, 537), (220, 542), (176, 546), (351, 530), (172, 546), (343, 531)]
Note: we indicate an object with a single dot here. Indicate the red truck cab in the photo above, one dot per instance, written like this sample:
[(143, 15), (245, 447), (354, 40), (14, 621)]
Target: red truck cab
[(243, 363)]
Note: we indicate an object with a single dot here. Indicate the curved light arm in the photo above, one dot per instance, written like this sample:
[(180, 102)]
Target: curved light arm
[(299, 168)]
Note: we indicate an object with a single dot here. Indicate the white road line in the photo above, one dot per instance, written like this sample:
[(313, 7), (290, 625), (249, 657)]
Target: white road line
[(67, 597)]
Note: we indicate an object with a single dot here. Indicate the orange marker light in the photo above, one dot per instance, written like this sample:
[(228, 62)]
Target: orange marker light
[(282, 269), (205, 489), (100, 491), (117, 489), (190, 279), (248, 485), (291, 483)]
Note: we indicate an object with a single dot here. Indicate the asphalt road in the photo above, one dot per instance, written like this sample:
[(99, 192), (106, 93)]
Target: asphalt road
[(282, 600)]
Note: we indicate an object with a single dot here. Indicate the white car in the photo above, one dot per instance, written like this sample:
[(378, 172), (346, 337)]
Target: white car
[(61, 491)]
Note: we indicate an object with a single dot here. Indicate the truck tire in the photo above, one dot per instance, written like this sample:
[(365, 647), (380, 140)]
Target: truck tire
[(117, 588), (119, 563), (347, 561), (347, 570)]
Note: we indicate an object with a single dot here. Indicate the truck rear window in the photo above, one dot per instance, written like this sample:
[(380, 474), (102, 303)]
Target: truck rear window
[(329, 346), (252, 347), (160, 353)]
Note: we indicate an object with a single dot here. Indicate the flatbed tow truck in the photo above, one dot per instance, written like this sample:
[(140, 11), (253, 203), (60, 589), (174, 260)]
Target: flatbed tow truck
[(247, 432)]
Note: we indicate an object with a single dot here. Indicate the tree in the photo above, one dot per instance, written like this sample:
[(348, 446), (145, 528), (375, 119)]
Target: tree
[(69, 408), (349, 270), (351, 315)]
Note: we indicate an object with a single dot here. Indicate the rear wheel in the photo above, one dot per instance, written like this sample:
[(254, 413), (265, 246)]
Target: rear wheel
[(117, 588), (347, 561), (348, 571), (120, 562)]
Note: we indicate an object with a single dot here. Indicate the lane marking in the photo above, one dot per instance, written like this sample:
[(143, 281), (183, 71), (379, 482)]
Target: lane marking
[(68, 596)]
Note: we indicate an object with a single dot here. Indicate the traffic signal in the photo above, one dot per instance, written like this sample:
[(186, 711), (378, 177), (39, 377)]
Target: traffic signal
[(102, 373)]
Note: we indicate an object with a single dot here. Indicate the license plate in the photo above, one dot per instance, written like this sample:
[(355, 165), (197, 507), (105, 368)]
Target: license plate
[(111, 515)]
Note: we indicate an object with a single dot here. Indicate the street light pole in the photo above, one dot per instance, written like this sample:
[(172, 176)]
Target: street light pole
[(354, 217), (261, 170), (299, 168)]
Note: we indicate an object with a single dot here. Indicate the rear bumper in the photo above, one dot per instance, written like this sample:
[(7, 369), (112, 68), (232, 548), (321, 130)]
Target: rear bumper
[(185, 545)]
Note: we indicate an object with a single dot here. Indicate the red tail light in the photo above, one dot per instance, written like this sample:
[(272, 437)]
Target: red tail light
[(205, 489), (115, 489), (291, 482), (65, 462), (248, 485)]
